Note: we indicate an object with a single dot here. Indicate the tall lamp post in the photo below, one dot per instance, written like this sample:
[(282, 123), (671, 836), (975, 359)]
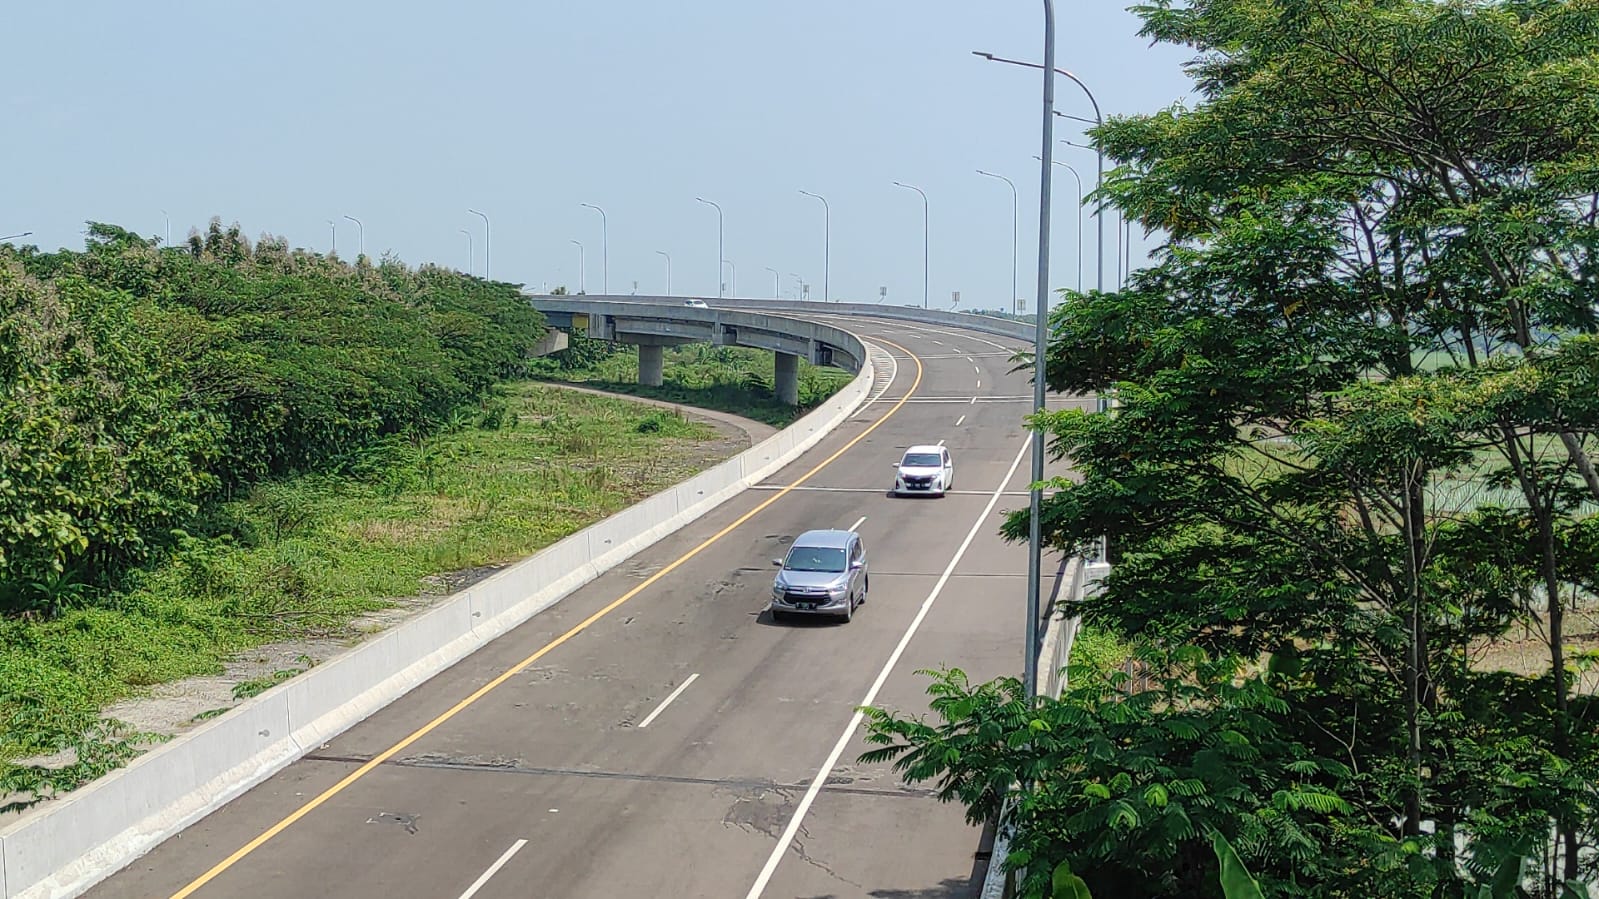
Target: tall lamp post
[(468, 249), (924, 236), (605, 249), (732, 280), (335, 229), (1014, 220), (582, 284), (166, 229), (777, 283), (1040, 347), (485, 240), (360, 236), (719, 256), (1068, 167), (827, 246), (668, 257), (799, 282)]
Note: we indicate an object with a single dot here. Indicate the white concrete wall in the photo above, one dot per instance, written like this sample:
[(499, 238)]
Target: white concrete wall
[(64, 846)]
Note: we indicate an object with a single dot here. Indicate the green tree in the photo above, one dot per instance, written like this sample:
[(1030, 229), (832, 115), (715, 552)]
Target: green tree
[(101, 456)]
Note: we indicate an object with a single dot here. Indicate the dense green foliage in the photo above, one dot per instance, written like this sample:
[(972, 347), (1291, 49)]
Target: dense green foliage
[(725, 378), (1356, 415), (137, 383)]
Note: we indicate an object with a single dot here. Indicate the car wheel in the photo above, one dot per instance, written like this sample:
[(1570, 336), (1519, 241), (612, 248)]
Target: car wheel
[(849, 611), (866, 587)]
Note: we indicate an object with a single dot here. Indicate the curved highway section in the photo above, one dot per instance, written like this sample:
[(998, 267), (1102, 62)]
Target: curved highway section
[(655, 734)]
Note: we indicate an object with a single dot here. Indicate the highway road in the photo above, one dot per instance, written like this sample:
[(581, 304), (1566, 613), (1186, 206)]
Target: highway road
[(655, 734)]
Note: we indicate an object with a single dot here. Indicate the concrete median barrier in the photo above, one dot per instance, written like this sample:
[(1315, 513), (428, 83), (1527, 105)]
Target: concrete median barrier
[(65, 846)]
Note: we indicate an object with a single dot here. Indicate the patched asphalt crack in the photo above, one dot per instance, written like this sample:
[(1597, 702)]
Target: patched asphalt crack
[(838, 783), (751, 812)]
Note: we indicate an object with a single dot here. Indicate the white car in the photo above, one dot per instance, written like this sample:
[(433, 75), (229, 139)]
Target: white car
[(925, 470), (696, 304)]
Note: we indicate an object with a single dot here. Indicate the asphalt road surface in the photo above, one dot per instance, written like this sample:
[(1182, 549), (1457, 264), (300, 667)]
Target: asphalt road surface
[(678, 743)]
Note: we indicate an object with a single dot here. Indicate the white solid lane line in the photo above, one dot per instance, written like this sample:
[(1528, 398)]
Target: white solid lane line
[(668, 701), (939, 342), (826, 770), (959, 420), (858, 522), (493, 869)]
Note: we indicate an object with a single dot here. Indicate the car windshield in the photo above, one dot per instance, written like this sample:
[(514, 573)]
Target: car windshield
[(921, 460), (815, 558)]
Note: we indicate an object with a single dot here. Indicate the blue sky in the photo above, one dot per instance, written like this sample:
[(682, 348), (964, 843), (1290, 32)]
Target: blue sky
[(404, 114)]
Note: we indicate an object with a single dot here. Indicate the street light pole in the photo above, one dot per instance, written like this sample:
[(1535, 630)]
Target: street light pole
[(485, 240), (777, 286), (798, 283), (827, 246), (166, 229), (468, 249), (732, 280), (1099, 217), (15, 236), (1035, 497), (335, 229), (582, 285), (668, 258), (1068, 167), (1014, 220), (719, 256), (605, 249), (924, 236), (360, 236)]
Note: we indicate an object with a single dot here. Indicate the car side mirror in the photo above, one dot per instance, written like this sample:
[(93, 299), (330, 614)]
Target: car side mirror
[(856, 566), (778, 562)]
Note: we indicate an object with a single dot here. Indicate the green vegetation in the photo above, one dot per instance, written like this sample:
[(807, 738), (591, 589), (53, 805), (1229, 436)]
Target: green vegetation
[(222, 445), (1379, 291), (728, 379)]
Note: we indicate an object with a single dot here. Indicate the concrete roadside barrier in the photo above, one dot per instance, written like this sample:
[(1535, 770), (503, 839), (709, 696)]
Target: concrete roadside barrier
[(65, 846)]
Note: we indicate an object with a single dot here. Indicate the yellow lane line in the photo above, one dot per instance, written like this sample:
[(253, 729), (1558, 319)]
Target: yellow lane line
[(511, 672)]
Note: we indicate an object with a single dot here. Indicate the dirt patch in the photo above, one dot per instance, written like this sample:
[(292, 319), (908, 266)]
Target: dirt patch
[(1524, 650)]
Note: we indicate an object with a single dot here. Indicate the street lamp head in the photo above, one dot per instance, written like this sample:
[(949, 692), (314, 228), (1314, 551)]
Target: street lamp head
[(983, 54)]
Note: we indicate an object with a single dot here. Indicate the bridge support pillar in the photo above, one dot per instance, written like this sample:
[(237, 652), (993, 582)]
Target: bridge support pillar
[(650, 364), (786, 382)]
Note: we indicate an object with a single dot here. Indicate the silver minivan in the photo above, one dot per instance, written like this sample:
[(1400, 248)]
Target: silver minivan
[(824, 573)]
